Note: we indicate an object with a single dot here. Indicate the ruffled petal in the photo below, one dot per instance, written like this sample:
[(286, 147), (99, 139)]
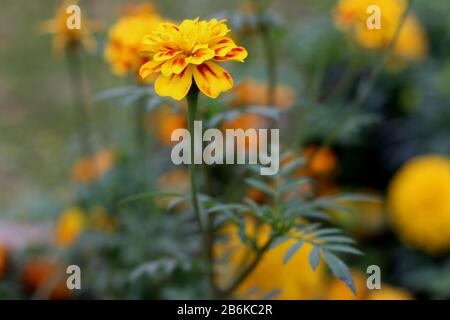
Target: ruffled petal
[(175, 65), (223, 46), (165, 55), (175, 85), (238, 54), (212, 79), (201, 55), (150, 67)]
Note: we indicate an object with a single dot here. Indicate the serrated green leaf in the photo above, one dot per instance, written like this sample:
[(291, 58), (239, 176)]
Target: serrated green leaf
[(291, 166), (356, 197), (322, 232), (279, 241), (292, 250), (314, 257), (335, 239), (342, 248), (339, 269)]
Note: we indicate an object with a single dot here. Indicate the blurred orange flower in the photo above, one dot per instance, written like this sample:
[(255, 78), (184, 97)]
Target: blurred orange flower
[(164, 121), (94, 167), (252, 93), (71, 39), (244, 122), (322, 161), (3, 259), (47, 276)]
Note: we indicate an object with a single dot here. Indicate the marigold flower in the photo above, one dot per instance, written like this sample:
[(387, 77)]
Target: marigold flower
[(72, 39), (182, 52), (294, 280), (71, 224), (351, 17), (124, 38), (253, 93), (388, 292), (43, 273), (419, 203), (91, 168)]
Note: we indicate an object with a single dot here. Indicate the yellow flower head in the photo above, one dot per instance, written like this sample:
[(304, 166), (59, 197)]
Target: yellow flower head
[(294, 280), (186, 51), (122, 48), (70, 225), (351, 17), (419, 203), (66, 38)]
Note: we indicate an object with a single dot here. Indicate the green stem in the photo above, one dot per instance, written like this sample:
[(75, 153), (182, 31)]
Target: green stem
[(205, 231), (80, 109)]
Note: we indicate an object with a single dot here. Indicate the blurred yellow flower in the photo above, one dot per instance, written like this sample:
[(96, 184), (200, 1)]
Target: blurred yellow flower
[(91, 168), (71, 224), (70, 39), (186, 51), (3, 259), (388, 292), (419, 203), (337, 290), (164, 121), (351, 17), (294, 280), (253, 93), (124, 38)]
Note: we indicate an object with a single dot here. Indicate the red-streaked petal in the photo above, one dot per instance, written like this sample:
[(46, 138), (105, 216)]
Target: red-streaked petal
[(150, 67), (238, 54), (175, 65), (212, 79), (175, 85)]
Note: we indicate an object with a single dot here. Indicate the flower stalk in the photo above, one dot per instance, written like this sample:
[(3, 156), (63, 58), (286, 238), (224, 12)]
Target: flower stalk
[(205, 230), (80, 108)]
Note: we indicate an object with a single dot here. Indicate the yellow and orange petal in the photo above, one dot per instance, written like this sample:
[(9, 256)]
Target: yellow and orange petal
[(190, 51), (71, 224)]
